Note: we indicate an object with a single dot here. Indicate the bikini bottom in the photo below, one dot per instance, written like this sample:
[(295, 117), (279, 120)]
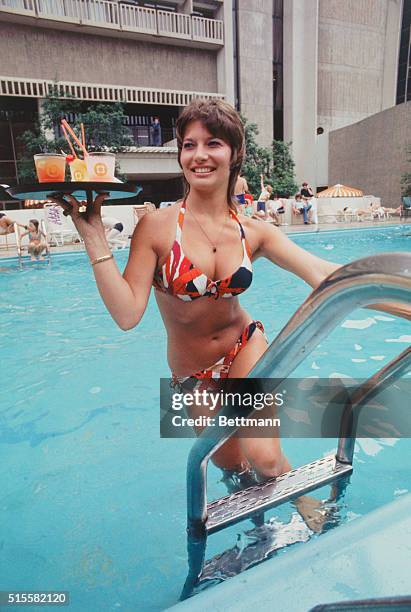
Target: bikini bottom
[(221, 368)]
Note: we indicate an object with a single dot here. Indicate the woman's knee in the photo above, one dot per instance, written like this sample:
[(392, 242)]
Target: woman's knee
[(270, 467), (265, 456)]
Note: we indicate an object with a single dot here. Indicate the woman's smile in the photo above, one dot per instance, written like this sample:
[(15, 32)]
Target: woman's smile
[(204, 156)]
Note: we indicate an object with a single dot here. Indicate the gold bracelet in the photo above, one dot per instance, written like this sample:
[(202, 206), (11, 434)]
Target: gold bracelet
[(98, 260)]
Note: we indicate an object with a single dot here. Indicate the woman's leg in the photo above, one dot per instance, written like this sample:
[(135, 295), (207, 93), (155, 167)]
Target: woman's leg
[(230, 456), (31, 249), (264, 454)]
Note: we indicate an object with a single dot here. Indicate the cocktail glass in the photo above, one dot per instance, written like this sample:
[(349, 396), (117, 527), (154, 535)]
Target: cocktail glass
[(78, 170), (50, 167), (100, 166)]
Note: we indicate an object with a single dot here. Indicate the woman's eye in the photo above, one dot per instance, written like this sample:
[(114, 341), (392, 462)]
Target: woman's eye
[(214, 143), (187, 145)]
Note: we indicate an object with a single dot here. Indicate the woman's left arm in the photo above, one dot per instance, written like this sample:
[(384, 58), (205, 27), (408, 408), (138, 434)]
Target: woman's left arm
[(279, 249)]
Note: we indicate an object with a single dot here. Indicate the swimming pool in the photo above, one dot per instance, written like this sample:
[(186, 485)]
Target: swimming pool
[(93, 502)]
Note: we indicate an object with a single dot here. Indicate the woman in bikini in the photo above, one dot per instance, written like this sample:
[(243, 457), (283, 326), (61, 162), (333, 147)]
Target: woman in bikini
[(198, 255), (37, 240)]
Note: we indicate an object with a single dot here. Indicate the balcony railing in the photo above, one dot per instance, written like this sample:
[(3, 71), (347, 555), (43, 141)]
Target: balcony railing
[(138, 19), (173, 24), (126, 17), (26, 7), (207, 29)]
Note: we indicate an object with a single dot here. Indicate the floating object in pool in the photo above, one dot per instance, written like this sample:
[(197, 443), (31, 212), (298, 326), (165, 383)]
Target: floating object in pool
[(358, 360), (383, 318), (400, 491), (377, 357), (359, 323), (329, 247), (358, 347), (406, 339), (314, 366)]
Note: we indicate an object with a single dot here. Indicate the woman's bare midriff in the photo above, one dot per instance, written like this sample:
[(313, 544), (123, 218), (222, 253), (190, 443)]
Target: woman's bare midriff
[(200, 332)]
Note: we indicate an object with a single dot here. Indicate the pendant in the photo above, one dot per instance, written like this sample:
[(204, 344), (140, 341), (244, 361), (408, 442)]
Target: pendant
[(214, 250)]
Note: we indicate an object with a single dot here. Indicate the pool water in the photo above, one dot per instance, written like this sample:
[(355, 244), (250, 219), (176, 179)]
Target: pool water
[(92, 500)]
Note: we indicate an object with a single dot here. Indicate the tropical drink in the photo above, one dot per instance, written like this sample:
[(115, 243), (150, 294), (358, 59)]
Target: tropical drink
[(78, 170), (100, 166), (50, 167)]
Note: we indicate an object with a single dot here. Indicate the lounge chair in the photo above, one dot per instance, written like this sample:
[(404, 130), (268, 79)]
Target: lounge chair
[(57, 229), (406, 206)]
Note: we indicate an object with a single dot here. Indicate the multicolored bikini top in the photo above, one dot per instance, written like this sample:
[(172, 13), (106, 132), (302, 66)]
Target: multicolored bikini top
[(180, 278)]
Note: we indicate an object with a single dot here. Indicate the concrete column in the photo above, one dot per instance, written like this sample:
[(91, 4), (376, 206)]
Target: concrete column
[(300, 84), (391, 48), (225, 59), (255, 53)]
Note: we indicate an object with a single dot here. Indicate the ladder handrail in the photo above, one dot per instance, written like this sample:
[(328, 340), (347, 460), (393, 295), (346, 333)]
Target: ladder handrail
[(380, 278), (391, 372), (18, 243)]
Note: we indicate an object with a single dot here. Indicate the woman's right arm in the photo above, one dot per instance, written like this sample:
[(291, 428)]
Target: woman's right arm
[(125, 296)]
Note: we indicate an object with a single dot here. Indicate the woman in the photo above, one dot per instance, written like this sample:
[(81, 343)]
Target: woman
[(184, 250), (37, 240)]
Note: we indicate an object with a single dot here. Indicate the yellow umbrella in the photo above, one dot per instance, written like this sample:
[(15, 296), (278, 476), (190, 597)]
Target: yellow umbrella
[(340, 191)]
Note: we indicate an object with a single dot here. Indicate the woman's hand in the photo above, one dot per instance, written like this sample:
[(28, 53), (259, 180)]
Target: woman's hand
[(87, 223)]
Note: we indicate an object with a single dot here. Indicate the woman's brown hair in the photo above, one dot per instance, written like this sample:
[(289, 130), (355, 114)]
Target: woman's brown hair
[(222, 121)]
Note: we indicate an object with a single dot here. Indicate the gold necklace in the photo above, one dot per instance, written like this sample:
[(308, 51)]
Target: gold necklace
[(214, 245)]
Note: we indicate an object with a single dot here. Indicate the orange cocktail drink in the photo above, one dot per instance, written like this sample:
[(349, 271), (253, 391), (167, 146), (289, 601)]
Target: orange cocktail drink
[(50, 167)]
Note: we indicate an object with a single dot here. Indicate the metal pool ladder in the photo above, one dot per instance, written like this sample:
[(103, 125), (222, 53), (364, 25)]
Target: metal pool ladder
[(379, 279), (19, 246)]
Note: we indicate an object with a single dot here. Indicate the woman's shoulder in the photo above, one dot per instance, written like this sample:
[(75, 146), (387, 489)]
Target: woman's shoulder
[(159, 225)]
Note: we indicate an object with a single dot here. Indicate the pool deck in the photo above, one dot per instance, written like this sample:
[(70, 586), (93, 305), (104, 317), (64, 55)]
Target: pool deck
[(367, 557), (287, 229)]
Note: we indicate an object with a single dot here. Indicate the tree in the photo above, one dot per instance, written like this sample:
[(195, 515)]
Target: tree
[(275, 163), (406, 177), (104, 128)]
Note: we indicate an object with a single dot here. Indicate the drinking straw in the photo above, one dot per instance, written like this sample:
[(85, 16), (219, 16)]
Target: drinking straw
[(74, 137), (83, 137), (69, 141)]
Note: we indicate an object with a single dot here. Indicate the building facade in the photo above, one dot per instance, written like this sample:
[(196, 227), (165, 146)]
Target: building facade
[(152, 57), (300, 69)]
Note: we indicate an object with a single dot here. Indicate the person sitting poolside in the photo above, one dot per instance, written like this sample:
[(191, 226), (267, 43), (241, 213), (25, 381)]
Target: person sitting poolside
[(275, 209), (266, 191), (114, 230), (301, 207), (7, 225), (249, 204)]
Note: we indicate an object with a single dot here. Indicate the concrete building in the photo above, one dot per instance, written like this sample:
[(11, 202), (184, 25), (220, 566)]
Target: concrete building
[(300, 69), (340, 66), (152, 57), (372, 154)]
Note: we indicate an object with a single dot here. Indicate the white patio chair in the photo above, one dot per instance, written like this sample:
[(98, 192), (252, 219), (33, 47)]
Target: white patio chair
[(57, 228)]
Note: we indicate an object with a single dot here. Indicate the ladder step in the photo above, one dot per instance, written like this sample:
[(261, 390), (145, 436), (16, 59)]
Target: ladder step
[(273, 492)]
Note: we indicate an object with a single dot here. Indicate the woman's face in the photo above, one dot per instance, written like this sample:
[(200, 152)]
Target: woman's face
[(205, 159)]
